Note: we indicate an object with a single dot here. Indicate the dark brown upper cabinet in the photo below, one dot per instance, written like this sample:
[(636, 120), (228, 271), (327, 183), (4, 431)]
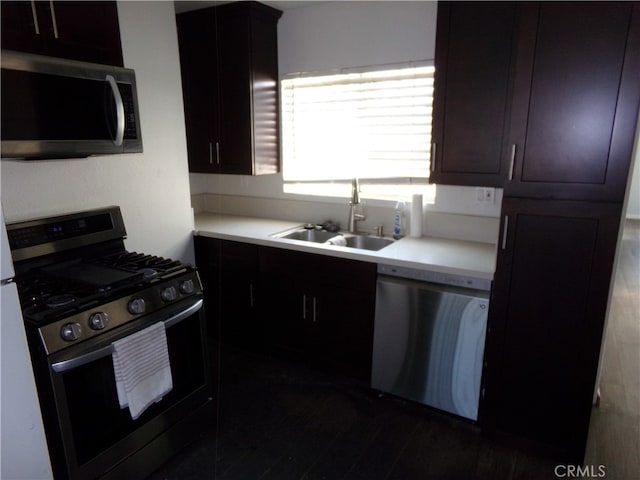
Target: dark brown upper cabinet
[(229, 64), (86, 31), (575, 100), (474, 47), (199, 70), (539, 97)]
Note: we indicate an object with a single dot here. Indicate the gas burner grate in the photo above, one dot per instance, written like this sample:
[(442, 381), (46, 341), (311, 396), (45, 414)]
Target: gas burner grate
[(60, 289), (46, 296), (135, 262), (42, 290)]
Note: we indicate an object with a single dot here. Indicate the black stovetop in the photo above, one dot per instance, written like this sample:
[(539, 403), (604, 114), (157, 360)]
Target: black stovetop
[(54, 291)]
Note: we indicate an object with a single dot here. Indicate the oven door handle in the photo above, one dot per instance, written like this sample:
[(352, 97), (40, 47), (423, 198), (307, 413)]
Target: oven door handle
[(107, 350)]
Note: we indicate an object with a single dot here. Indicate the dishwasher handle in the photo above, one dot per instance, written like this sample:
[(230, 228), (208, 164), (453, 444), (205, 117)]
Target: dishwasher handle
[(432, 276)]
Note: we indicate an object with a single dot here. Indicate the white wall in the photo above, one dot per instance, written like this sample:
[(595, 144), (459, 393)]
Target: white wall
[(633, 195), (347, 34), (152, 188)]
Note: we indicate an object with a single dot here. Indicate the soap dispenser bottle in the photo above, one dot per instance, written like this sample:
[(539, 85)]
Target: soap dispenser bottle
[(398, 220)]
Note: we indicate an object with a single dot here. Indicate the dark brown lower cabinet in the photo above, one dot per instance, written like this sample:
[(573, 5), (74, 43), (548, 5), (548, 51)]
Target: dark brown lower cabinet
[(229, 273), (284, 308), (240, 323), (319, 309), (207, 252), (554, 270), (310, 307)]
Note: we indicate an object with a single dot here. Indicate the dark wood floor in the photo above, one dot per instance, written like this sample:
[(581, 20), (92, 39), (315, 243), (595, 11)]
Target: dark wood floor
[(282, 421)]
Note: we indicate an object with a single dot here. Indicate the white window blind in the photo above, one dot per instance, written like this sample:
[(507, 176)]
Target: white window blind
[(370, 125)]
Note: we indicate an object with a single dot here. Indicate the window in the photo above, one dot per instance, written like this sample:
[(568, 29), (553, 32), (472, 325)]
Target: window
[(373, 124)]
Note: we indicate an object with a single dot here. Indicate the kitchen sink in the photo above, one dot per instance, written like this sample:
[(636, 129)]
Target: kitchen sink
[(358, 241), (317, 236), (366, 242)]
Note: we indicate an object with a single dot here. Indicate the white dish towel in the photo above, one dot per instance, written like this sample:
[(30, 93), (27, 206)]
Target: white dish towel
[(337, 240), (142, 369)]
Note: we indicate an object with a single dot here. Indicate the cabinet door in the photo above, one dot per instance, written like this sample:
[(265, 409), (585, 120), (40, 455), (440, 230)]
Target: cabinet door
[(341, 330), (548, 307), (576, 96), (238, 295), (207, 253), (285, 305), (236, 150), (197, 40), (329, 328), (472, 90), (86, 31), (247, 33), (228, 271), (20, 27), (285, 300), (319, 309)]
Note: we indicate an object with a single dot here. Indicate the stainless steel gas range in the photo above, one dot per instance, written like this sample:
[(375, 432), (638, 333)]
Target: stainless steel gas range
[(83, 295)]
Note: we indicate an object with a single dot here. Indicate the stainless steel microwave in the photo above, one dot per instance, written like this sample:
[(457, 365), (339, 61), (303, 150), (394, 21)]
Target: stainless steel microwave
[(58, 108)]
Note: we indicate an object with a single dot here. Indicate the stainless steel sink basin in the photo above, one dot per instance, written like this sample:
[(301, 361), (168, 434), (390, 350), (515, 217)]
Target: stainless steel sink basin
[(366, 242), (361, 242), (317, 236)]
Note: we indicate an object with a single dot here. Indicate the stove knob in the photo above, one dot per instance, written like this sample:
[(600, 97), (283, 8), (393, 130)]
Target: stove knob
[(98, 320), (187, 287), (136, 306), (71, 331), (169, 294)]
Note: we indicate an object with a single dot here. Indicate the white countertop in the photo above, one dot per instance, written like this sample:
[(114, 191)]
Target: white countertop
[(441, 255)]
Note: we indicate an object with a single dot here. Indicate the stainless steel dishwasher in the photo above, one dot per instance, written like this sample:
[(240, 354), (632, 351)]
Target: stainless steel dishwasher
[(429, 337)]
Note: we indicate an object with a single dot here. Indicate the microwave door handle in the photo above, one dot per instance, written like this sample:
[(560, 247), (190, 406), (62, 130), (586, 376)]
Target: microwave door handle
[(119, 110)]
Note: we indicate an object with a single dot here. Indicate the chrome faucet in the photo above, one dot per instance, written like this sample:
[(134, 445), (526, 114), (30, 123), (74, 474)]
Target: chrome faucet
[(353, 205)]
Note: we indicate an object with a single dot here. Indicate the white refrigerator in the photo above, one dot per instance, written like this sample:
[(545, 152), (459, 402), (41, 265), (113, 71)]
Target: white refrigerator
[(23, 447)]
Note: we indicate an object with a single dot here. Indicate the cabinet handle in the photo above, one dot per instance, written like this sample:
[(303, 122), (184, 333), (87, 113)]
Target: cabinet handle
[(34, 14), (218, 153), (513, 161), (251, 295), (210, 153), (434, 148), (314, 309), (304, 307), (504, 232), (53, 19)]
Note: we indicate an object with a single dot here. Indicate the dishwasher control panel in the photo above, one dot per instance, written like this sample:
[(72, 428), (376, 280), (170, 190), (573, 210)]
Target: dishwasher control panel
[(435, 277)]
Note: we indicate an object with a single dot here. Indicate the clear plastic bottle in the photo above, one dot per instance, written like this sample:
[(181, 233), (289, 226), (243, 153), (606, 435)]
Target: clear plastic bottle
[(399, 220)]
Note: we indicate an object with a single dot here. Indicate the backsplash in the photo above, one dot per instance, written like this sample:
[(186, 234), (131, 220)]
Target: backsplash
[(460, 226)]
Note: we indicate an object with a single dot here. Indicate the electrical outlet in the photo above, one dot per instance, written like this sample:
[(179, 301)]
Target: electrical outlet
[(485, 196), (489, 196)]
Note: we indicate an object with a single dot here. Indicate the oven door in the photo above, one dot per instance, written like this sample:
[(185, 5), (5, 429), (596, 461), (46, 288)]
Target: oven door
[(97, 438)]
